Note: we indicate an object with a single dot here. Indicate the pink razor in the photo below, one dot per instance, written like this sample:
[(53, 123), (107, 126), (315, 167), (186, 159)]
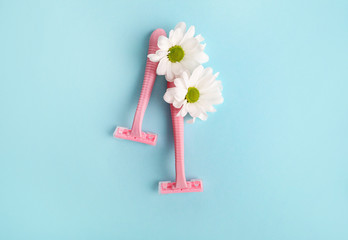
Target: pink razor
[(136, 134), (180, 185)]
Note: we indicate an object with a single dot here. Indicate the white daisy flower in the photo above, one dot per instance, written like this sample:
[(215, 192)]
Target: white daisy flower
[(180, 52), (195, 94)]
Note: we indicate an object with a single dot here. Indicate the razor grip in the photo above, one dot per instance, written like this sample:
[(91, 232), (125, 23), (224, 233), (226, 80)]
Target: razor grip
[(148, 82), (178, 132)]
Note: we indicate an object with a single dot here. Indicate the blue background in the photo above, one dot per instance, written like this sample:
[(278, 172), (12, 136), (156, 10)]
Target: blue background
[(273, 158)]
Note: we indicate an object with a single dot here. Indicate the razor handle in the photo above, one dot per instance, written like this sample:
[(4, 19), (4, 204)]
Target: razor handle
[(149, 80), (178, 131)]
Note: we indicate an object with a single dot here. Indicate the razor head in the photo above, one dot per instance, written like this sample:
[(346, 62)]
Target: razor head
[(146, 137), (194, 185)]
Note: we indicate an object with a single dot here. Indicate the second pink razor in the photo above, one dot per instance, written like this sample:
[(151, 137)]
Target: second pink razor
[(180, 185), (136, 133)]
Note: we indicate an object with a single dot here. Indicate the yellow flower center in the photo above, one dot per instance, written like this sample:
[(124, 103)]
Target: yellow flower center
[(176, 54), (192, 95)]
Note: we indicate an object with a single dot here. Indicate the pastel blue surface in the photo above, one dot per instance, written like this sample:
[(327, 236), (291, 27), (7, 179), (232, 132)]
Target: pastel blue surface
[(273, 158)]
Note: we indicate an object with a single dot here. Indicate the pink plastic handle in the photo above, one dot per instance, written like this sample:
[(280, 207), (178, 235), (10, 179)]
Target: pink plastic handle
[(149, 80), (180, 185), (178, 131)]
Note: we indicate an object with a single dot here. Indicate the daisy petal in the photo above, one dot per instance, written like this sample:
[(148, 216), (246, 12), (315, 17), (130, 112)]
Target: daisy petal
[(212, 98), (199, 38), (183, 110), (178, 104), (208, 71), (169, 73), (193, 109), (169, 95), (181, 25), (177, 68), (201, 57), (189, 64), (171, 32), (196, 74), (203, 116), (189, 45), (219, 85), (180, 94), (162, 67), (177, 36), (162, 53), (180, 83), (216, 75), (163, 43), (185, 75), (210, 108), (189, 34), (154, 57)]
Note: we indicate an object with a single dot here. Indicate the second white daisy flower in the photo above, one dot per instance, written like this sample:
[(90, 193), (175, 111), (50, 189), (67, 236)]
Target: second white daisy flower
[(195, 94), (180, 52)]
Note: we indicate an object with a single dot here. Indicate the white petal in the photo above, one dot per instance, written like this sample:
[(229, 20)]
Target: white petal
[(171, 32), (193, 109), (206, 81), (162, 53), (177, 36), (154, 57), (189, 63), (206, 76), (162, 67), (209, 108), (211, 98), (201, 57), (169, 95), (219, 85), (178, 104), (180, 94), (199, 38), (190, 45), (189, 34), (163, 43), (177, 68), (216, 75), (203, 116), (185, 75), (208, 71), (169, 73), (196, 74), (210, 87), (181, 25), (183, 110), (180, 83)]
